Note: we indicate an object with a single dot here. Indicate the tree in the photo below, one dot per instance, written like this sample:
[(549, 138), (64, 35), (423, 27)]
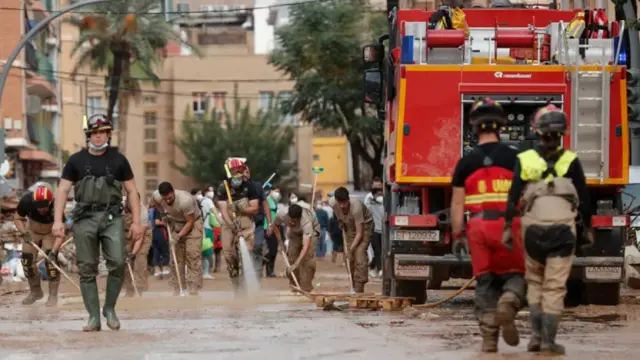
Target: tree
[(207, 141), (124, 37), (321, 49)]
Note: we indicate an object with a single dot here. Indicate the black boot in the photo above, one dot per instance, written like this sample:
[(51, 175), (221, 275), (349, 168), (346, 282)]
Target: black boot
[(536, 328), (35, 291), (92, 304), (218, 261), (114, 285), (270, 268), (549, 331)]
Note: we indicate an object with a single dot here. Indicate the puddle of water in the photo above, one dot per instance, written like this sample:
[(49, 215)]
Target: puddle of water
[(248, 270)]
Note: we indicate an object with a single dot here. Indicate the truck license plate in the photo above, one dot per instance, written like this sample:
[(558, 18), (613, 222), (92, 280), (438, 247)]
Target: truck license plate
[(603, 272), (412, 270), (416, 235)]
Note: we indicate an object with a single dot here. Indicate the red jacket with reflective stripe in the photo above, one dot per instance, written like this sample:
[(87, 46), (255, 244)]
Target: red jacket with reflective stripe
[(487, 189)]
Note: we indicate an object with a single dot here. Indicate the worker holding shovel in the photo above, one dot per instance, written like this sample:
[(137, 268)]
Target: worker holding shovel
[(303, 231), (356, 222), (185, 229), (238, 204), (135, 278), (37, 206)]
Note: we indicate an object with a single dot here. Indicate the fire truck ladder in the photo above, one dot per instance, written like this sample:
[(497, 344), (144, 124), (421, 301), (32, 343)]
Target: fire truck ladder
[(590, 99)]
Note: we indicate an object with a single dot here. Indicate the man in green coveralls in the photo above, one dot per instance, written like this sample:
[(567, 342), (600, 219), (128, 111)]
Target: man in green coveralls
[(97, 175)]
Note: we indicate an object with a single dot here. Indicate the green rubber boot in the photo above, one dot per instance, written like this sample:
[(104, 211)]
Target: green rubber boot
[(549, 331), (92, 304), (536, 328), (114, 285)]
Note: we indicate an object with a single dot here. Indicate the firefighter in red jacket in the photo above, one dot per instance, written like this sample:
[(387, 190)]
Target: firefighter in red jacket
[(481, 183)]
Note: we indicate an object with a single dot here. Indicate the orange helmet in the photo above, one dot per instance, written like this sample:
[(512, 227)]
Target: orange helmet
[(42, 196)]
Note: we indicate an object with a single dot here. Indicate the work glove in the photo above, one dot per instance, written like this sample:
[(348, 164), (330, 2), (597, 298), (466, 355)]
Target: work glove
[(26, 237), (131, 258), (589, 240), (53, 256), (507, 238), (291, 268), (459, 246)]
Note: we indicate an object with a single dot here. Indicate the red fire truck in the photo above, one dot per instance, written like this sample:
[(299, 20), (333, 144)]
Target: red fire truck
[(424, 87)]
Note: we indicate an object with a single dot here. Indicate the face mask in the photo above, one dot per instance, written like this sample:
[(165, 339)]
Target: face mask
[(199, 197), (236, 182), (293, 199), (209, 194), (98, 148), (379, 199), (276, 196)]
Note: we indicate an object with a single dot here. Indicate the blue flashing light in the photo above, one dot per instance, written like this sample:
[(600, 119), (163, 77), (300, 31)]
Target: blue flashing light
[(407, 50), (622, 58)]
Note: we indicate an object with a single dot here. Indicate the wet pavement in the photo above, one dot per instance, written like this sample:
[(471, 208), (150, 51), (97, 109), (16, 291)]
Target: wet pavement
[(279, 325)]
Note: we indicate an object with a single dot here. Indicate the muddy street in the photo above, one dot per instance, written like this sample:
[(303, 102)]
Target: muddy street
[(287, 326)]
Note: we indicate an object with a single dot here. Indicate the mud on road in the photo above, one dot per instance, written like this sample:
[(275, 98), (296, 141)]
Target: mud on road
[(280, 325)]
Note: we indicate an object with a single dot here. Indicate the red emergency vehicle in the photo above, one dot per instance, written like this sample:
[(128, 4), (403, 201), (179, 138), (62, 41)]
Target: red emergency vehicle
[(425, 86)]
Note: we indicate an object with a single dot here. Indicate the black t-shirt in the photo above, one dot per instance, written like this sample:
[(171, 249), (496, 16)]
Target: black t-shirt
[(259, 218), (82, 164), (501, 155), (28, 209), (246, 190)]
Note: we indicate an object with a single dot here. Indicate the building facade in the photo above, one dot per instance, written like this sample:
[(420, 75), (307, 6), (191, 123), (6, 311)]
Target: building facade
[(31, 99)]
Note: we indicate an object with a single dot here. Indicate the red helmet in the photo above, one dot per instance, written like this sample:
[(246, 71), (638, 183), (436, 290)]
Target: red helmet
[(42, 196), (236, 164), (97, 122)]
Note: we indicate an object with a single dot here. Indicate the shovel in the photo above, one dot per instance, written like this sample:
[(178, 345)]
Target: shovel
[(352, 291), (175, 261), (133, 279), (54, 265)]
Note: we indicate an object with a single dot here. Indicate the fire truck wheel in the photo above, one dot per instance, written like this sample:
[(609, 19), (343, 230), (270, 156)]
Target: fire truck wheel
[(575, 293), (602, 294), (416, 289)]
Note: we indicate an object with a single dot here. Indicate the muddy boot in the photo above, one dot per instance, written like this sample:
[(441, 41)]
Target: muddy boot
[(35, 291), (217, 256), (536, 328), (92, 304), (358, 287), (549, 330), (109, 310), (334, 256), (53, 294), (490, 331), (508, 306)]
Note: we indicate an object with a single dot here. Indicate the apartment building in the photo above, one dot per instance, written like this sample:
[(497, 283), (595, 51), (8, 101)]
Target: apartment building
[(224, 33), (30, 104)]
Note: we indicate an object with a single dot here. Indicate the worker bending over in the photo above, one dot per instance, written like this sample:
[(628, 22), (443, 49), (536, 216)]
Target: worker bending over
[(356, 223), (37, 206), (554, 188), (303, 231), (481, 182)]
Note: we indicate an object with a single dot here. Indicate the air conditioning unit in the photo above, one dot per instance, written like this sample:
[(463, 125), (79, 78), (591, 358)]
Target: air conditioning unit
[(52, 41)]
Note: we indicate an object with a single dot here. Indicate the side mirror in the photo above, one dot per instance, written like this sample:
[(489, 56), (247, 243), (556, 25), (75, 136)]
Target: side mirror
[(373, 54), (373, 89)]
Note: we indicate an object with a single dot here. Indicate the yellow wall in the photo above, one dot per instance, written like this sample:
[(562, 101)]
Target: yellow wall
[(331, 154)]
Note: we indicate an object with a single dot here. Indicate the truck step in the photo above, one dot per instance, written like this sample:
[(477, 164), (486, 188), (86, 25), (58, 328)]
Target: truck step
[(588, 151), (590, 99), (590, 125)]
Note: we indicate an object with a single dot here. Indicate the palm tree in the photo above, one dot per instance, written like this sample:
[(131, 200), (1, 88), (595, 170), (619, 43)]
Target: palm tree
[(125, 37)]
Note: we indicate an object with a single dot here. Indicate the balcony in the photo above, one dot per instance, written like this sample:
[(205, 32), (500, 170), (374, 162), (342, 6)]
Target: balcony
[(45, 67)]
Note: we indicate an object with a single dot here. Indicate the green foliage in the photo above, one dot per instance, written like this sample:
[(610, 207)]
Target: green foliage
[(321, 49), (124, 37), (208, 140)]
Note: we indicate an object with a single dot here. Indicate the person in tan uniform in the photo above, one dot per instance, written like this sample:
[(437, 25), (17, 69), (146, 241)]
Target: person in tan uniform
[(184, 218), (303, 231), (237, 218), (37, 206), (356, 223), (137, 250)]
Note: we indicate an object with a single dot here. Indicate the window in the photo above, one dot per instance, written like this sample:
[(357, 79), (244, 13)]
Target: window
[(149, 100), (150, 118), (150, 134), (266, 100), (287, 119), (151, 169), (219, 101), (199, 103), (94, 105), (151, 185), (150, 147)]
